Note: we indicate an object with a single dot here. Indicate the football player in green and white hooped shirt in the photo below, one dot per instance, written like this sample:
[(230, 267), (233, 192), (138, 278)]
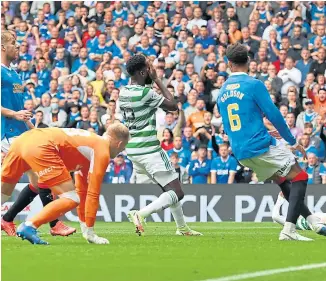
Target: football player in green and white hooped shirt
[(302, 223), (138, 105)]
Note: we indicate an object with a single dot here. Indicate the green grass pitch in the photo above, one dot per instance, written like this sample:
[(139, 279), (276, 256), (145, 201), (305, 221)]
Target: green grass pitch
[(225, 249)]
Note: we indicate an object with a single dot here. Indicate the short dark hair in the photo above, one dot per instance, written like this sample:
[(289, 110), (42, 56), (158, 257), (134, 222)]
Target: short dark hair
[(237, 53), (135, 63)]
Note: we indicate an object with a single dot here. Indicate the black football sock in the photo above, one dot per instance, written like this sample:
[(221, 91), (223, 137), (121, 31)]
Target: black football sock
[(286, 187), (296, 200), (46, 198), (25, 197)]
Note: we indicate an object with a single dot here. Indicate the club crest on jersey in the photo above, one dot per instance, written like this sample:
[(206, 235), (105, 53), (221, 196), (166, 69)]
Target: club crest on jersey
[(17, 88), (232, 86)]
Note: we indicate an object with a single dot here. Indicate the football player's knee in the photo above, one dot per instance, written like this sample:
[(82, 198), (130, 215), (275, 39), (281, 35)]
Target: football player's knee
[(72, 195)]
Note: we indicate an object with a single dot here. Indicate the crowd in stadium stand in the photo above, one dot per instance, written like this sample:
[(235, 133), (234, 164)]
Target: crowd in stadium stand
[(72, 59)]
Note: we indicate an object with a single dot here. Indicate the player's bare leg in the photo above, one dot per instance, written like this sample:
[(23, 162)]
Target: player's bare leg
[(68, 200)]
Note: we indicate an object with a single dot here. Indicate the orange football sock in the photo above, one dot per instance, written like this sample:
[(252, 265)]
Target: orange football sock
[(53, 210)]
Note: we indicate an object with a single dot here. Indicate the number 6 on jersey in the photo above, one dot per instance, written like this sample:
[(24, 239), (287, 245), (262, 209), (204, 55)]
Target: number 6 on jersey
[(234, 119)]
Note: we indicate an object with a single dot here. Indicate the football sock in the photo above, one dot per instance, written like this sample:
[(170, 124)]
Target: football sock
[(289, 227), (4, 198), (286, 187), (165, 200), (296, 196), (177, 213), (25, 197), (53, 210), (46, 198)]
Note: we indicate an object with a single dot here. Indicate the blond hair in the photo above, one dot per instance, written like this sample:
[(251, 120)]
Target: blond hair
[(118, 131), (6, 37)]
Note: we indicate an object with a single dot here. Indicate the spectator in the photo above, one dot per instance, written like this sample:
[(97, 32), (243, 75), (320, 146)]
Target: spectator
[(319, 66), (319, 101), (304, 64), (38, 120), (118, 171), (196, 119), (189, 142), (224, 167), (307, 116), (313, 169), (184, 154), (167, 141), (293, 102), (182, 172), (199, 169), (315, 141), (290, 76), (305, 142), (56, 117), (290, 121), (322, 172), (204, 133)]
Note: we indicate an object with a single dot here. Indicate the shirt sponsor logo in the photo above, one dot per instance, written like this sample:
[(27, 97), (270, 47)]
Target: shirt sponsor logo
[(17, 89), (45, 171), (232, 86)]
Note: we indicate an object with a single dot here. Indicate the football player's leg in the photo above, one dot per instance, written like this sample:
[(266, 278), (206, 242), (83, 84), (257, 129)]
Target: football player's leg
[(299, 179), (26, 196)]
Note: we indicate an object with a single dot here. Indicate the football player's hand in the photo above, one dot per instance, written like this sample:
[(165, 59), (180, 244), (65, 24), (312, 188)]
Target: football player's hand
[(275, 134), (23, 115), (151, 71)]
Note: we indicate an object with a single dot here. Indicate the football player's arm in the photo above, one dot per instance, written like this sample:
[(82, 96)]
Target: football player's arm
[(100, 163), (22, 115), (267, 106)]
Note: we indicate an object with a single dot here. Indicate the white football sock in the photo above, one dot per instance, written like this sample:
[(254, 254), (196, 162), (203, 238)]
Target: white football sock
[(165, 200), (177, 213), (289, 227), (277, 217), (4, 198)]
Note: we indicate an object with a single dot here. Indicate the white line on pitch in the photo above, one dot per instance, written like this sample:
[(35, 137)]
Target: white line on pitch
[(268, 272)]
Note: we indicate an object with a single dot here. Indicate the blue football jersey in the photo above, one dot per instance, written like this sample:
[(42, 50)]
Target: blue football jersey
[(12, 94), (183, 154), (223, 168), (242, 103)]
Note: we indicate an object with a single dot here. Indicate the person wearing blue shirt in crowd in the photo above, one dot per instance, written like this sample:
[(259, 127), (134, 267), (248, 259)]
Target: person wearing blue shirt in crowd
[(321, 34), (93, 40), (118, 171), (145, 48), (23, 54), (318, 10), (243, 101), (305, 142), (24, 72), (206, 41), (118, 12), (218, 140), (98, 50), (313, 169), (200, 168), (224, 167), (118, 80), (183, 153), (83, 60), (189, 142), (43, 74), (304, 65)]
